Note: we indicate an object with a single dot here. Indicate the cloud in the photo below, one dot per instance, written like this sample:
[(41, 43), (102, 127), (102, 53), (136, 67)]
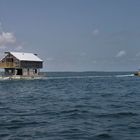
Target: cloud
[(0, 27), (95, 32), (7, 38), (138, 54), (50, 59), (121, 53), (83, 54), (94, 61), (18, 48)]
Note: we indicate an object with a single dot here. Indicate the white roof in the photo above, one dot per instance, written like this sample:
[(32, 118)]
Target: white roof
[(26, 56)]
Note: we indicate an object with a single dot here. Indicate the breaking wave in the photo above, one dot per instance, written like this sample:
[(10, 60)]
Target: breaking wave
[(84, 77)]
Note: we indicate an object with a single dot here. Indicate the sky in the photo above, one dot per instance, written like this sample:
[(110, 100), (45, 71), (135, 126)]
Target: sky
[(74, 35)]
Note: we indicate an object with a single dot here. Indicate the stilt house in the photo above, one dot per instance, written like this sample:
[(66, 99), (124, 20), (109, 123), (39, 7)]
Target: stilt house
[(21, 64)]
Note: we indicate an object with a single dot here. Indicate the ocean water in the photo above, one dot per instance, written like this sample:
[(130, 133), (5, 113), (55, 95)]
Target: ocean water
[(71, 106)]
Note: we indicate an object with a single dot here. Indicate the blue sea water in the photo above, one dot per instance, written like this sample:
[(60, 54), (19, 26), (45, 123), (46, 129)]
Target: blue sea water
[(71, 106)]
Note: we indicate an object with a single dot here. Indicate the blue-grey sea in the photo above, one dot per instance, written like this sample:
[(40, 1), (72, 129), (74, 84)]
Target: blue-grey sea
[(71, 106)]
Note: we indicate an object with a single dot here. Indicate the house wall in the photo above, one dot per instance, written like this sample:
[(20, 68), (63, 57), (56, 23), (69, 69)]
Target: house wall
[(31, 64), (25, 72), (30, 72), (10, 58)]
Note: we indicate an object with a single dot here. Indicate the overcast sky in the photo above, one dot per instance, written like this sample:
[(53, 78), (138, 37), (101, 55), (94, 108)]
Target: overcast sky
[(74, 35)]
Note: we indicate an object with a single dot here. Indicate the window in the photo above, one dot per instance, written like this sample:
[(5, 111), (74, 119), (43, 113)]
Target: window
[(9, 59), (35, 71)]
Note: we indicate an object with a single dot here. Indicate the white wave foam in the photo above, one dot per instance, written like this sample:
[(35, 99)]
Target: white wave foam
[(82, 77), (75, 77), (128, 75)]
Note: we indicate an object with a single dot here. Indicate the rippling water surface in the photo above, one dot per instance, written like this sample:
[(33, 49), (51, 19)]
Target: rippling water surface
[(71, 106)]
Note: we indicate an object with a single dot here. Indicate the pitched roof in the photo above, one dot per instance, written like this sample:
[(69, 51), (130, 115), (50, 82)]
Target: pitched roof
[(26, 56)]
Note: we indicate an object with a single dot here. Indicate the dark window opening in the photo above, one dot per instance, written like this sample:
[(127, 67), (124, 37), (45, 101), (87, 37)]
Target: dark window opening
[(28, 71), (35, 70), (19, 71), (9, 60)]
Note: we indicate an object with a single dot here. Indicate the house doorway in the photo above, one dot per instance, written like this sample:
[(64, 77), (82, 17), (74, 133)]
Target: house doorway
[(19, 72), (35, 71)]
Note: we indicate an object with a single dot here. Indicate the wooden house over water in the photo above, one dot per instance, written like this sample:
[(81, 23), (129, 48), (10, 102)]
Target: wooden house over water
[(21, 65)]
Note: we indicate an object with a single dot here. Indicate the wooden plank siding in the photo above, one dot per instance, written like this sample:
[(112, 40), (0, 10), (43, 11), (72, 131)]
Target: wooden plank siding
[(8, 65), (9, 61), (31, 64)]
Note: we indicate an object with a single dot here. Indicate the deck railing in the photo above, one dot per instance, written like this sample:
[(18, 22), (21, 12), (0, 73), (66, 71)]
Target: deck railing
[(7, 65)]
